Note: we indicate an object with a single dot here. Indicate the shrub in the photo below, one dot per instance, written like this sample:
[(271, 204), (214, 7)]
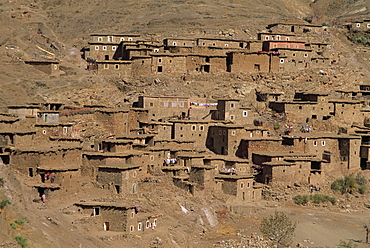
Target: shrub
[(23, 242), (4, 203), (276, 125), (19, 222), (1, 182), (13, 225), (301, 199), (325, 24), (344, 244), (350, 183), (362, 189)]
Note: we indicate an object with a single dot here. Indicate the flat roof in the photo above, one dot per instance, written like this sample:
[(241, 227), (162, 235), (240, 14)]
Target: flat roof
[(104, 204), (283, 154), (119, 166)]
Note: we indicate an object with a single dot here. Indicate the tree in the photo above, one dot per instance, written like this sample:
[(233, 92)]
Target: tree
[(279, 229)]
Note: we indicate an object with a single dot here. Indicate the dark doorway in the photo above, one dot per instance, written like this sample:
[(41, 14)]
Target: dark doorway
[(159, 69), (257, 67), (106, 226), (106, 57), (30, 172), (292, 29), (118, 189), (207, 68)]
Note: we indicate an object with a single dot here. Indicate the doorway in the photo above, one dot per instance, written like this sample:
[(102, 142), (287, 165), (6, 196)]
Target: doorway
[(106, 226)]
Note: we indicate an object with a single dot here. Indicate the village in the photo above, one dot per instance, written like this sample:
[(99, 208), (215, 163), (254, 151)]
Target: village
[(205, 146)]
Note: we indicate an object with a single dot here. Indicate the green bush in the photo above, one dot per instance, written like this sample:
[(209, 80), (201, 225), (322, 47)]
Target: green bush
[(301, 199), (315, 198), (4, 203), (23, 242), (276, 125), (19, 222), (1, 182), (350, 184), (13, 225)]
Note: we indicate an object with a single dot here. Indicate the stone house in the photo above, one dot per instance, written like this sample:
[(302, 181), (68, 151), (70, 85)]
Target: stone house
[(269, 45), (291, 59), (269, 96), (179, 45), (17, 137), (118, 68), (24, 110), (211, 63), (47, 130), (162, 130), (190, 130), (168, 63), (297, 28), (265, 36), (9, 121), (47, 116), (347, 111), (360, 26), (114, 120)]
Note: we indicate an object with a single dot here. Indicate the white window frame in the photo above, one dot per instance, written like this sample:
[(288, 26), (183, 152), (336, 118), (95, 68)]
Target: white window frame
[(181, 104), (129, 39), (287, 38), (323, 143), (155, 222), (100, 38), (139, 226), (97, 48), (305, 55), (174, 43), (358, 25), (368, 25), (193, 127), (114, 48), (104, 48), (226, 45), (245, 113), (156, 50), (314, 143), (281, 61), (173, 104), (110, 38), (165, 104), (116, 66), (267, 38), (106, 66), (147, 224), (122, 39), (201, 128)]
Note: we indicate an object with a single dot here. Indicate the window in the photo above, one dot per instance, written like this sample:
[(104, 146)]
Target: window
[(159, 60), (193, 127), (226, 45), (139, 226), (96, 47), (278, 37), (151, 104), (293, 54), (358, 25), (122, 39), (55, 67), (287, 38), (305, 55), (159, 69), (241, 185), (110, 38), (233, 133), (299, 107), (224, 132), (232, 117), (114, 48), (281, 61), (314, 143), (151, 157), (65, 130), (147, 225), (155, 222), (132, 214), (116, 66), (220, 132), (165, 104), (156, 50), (267, 38), (323, 143), (131, 228), (181, 104), (104, 48), (129, 39), (245, 113), (174, 43), (232, 105), (106, 66), (134, 174), (201, 128), (368, 25), (100, 38), (96, 211)]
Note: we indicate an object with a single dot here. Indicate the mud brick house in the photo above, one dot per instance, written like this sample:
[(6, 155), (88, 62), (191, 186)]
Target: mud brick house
[(203, 176), (269, 45), (66, 177), (227, 109), (104, 46), (24, 110), (17, 137), (212, 63), (168, 63), (203, 110), (162, 130), (306, 106), (214, 45), (286, 167), (225, 139), (110, 216), (340, 153), (269, 96), (46, 131), (179, 45), (8, 121), (240, 188), (119, 178), (360, 26), (276, 36), (46, 66), (296, 28), (114, 120), (118, 68), (347, 111), (249, 145), (28, 159), (294, 59), (190, 130), (242, 62), (47, 116), (165, 107)]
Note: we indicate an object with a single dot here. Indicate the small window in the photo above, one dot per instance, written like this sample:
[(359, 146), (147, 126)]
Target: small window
[(267, 38), (114, 48), (122, 39), (100, 38), (232, 117), (242, 185), (226, 45), (233, 133), (201, 128), (193, 127), (278, 37), (106, 66), (132, 214), (155, 222), (232, 105), (116, 66), (134, 174), (323, 143), (305, 55), (181, 104), (139, 226), (287, 38), (147, 225), (156, 50), (293, 54), (55, 67), (368, 25), (358, 25), (174, 43), (129, 39), (104, 48), (220, 132), (151, 104), (65, 130), (44, 131), (159, 60), (131, 228), (224, 132), (245, 113), (281, 61), (96, 47), (314, 143), (299, 107), (174, 104), (151, 157), (110, 38)]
